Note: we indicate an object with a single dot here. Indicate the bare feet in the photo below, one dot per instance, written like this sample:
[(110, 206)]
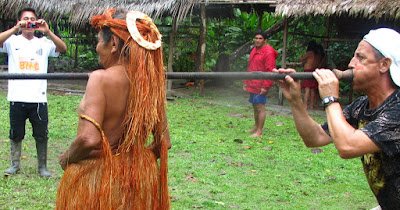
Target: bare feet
[(251, 131), (255, 135)]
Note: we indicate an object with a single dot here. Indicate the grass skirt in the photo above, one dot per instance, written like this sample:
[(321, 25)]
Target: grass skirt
[(131, 184)]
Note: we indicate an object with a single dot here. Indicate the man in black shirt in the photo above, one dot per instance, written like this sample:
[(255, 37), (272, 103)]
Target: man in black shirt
[(369, 127)]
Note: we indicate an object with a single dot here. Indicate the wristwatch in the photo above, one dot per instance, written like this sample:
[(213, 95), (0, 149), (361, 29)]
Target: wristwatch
[(328, 100)]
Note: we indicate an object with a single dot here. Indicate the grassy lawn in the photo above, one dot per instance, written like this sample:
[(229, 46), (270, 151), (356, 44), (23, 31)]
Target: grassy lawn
[(213, 164)]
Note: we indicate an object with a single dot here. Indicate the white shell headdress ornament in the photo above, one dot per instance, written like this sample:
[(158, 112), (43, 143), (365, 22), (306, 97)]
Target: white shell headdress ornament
[(133, 30)]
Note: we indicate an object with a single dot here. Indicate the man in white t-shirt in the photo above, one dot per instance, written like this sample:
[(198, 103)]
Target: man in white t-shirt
[(28, 100)]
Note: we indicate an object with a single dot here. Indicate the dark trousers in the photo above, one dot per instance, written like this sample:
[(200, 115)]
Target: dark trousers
[(37, 115)]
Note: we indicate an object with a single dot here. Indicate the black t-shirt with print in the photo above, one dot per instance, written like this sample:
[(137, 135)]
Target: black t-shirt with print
[(382, 126)]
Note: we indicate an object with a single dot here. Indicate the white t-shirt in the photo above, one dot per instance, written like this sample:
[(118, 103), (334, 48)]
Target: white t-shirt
[(28, 56)]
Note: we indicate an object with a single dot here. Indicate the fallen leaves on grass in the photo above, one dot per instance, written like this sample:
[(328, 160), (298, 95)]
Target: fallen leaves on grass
[(240, 164), (238, 115), (316, 151), (222, 173), (191, 178), (238, 141), (220, 203), (174, 199)]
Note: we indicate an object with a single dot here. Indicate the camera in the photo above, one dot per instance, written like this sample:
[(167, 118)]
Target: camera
[(32, 25)]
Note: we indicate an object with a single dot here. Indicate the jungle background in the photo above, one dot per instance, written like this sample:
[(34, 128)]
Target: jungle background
[(213, 164), (224, 35)]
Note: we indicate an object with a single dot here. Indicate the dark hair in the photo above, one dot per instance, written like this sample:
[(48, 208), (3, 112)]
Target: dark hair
[(378, 55), (316, 48), (312, 46), (107, 33), (261, 32), (26, 10)]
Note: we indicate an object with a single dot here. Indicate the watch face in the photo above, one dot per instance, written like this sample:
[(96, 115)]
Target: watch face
[(326, 100)]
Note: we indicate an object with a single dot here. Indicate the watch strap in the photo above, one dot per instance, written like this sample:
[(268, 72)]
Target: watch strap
[(328, 100)]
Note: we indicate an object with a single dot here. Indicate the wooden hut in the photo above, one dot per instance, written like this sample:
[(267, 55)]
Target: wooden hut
[(368, 9), (353, 18)]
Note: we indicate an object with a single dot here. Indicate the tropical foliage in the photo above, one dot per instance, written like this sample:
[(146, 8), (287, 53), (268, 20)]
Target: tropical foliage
[(224, 35)]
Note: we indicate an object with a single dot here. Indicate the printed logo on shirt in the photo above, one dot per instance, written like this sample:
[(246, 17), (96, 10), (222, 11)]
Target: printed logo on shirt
[(39, 52), (29, 65)]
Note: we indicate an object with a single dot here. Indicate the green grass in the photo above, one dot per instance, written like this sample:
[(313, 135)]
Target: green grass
[(208, 166)]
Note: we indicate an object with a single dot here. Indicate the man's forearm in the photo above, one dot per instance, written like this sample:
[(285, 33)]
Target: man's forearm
[(77, 151), (310, 131), (60, 45), (6, 34)]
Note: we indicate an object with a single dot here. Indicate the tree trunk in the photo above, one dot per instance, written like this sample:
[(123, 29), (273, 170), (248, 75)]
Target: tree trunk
[(171, 50), (202, 44), (76, 56), (284, 53), (222, 63)]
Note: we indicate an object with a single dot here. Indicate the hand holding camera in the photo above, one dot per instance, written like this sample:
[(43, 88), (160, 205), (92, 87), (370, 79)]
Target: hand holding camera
[(38, 25), (32, 25), (27, 24)]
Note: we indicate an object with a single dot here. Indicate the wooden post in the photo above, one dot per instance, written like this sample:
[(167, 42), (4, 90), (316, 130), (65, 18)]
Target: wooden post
[(284, 52), (171, 50), (202, 40), (260, 18), (327, 28), (76, 55)]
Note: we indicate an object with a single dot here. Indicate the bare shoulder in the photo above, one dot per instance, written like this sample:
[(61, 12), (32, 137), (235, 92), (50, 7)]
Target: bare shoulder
[(115, 75), (96, 75), (107, 78), (97, 79)]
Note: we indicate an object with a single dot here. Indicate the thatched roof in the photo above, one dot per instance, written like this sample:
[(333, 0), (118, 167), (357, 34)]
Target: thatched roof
[(371, 9), (80, 11), (225, 8)]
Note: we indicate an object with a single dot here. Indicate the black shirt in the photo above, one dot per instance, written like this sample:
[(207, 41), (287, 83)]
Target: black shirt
[(382, 126)]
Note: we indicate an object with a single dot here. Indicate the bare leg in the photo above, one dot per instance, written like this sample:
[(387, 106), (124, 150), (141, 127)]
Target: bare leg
[(313, 99), (306, 96), (259, 118), (255, 120)]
